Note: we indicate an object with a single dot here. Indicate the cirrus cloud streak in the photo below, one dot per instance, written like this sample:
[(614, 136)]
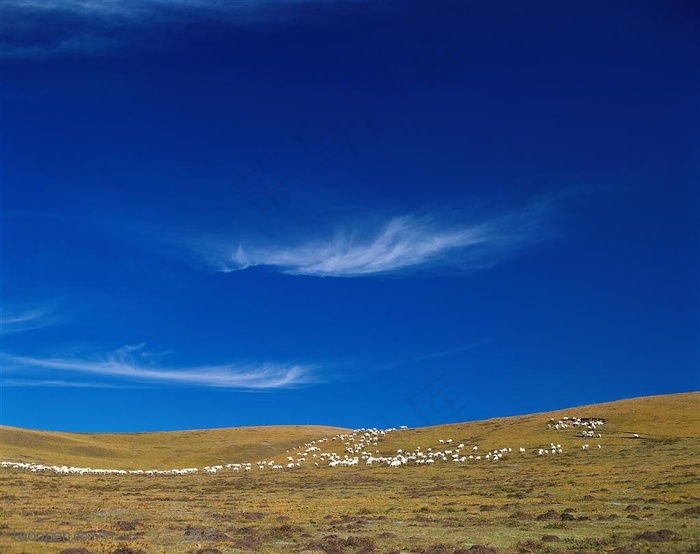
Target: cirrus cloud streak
[(45, 28), (26, 320), (122, 365), (399, 245)]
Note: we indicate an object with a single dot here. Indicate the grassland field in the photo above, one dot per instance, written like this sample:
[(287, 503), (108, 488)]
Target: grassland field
[(631, 495)]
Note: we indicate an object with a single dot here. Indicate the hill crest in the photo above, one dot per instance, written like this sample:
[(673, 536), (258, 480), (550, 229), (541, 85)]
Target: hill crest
[(652, 417)]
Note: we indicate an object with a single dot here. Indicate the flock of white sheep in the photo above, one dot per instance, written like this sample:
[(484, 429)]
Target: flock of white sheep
[(360, 447)]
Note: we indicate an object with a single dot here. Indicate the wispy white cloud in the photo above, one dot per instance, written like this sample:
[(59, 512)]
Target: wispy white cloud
[(399, 361), (24, 320), (32, 315), (135, 9), (58, 383), (451, 351), (124, 365), (397, 245), (45, 28)]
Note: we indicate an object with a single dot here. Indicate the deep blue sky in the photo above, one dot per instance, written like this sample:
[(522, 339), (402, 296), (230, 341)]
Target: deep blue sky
[(347, 212)]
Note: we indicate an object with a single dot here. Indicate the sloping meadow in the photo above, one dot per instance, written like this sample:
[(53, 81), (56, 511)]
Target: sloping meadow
[(534, 488)]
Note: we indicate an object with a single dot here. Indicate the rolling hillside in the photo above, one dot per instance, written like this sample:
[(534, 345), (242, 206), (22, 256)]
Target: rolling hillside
[(656, 419), (176, 449), (653, 418), (638, 492)]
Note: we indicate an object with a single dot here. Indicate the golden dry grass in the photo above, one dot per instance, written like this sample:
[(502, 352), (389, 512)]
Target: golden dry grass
[(632, 495), (166, 450)]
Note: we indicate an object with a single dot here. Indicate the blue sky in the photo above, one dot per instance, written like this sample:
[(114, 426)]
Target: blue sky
[(349, 213)]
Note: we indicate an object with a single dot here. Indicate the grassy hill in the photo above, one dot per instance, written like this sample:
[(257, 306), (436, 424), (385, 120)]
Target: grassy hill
[(165, 450), (632, 495), (654, 419)]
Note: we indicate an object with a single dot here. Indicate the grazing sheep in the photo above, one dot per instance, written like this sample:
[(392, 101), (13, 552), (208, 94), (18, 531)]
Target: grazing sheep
[(356, 445)]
